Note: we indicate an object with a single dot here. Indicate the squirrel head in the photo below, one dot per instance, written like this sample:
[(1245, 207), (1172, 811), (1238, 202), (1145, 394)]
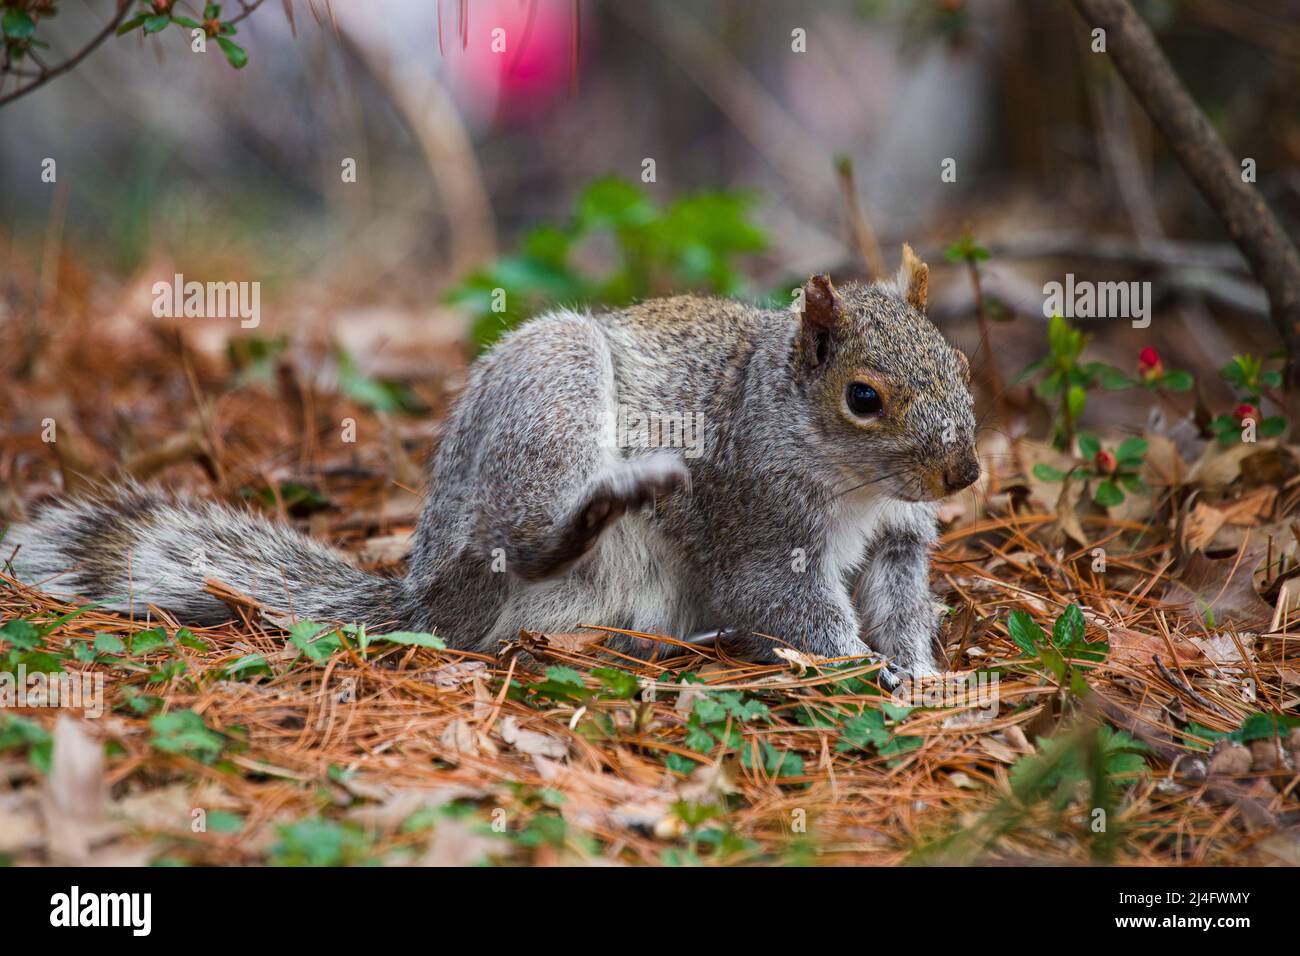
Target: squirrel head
[(891, 406)]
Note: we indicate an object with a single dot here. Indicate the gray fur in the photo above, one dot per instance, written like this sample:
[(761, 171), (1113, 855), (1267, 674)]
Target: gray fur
[(536, 518)]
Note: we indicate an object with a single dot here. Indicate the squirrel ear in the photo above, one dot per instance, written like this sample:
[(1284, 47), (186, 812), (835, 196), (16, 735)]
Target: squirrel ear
[(822, 311), (913, 279), (963, 363)]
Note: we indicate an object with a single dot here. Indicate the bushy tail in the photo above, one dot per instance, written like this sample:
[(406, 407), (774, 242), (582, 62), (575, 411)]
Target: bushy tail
[(128, 547)]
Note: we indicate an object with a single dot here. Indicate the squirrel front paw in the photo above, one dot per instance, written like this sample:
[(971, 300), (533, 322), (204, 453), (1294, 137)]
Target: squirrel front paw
[(915, 658)]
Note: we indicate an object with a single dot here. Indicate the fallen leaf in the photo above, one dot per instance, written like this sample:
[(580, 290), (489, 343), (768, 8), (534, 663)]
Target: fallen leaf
[(459, 737), (451, 675), (456, 844), (75, 791), (1284, 847), (1222, 650), (798, 661), (998, 750), (404, 801), (385, 549), (530, 741), (1224, 586), (1127, 644), (1162, 465), (1218, 467), (1224, 525), (20, 822)]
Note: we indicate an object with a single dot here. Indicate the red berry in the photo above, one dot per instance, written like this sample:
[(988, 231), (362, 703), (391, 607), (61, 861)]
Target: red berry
[(1245, 410), (1149, 364), (1105, 462)]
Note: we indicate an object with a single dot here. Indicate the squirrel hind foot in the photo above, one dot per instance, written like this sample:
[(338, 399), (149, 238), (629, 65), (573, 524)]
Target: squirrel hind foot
[(636, 482), (627, 485), (622, 485)]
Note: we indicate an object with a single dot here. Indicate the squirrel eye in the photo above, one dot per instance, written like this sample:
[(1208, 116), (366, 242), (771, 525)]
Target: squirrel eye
[(864, 400)]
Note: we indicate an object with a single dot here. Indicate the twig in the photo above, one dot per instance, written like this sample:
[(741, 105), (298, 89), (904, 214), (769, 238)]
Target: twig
[(864, 237), (1209, 163), (247, 8), (1161, 253), (46, 75)]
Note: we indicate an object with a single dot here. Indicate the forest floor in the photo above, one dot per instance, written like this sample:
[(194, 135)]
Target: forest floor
[(1139, 709)]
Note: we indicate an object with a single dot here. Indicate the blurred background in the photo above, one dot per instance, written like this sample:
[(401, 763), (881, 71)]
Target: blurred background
[(583, 151)]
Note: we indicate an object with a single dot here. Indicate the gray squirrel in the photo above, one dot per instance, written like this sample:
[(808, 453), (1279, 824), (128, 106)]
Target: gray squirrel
[(803, 518)]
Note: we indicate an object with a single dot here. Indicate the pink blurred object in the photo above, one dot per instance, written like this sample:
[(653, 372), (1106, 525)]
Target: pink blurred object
[(510, 60)]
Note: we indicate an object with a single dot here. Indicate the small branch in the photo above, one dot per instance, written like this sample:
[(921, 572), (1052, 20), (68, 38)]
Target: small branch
[(1167, 253), (46, 75), (247, 9), (864, 237), (1210, 164), (993, 377)]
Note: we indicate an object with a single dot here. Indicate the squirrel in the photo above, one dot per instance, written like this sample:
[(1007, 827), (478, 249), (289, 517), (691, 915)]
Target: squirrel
[(803, 518)]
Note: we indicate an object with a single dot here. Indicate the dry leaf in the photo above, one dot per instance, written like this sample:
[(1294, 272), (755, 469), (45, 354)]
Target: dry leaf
[(1162, 465), (530, 741), (452, 675), (459, 737), (798, 661), (1224, 586), (1222, 649), (385, 548), (1127, 644), (457, 844), (402, 802), (998, 750), (75, 791), (20, 822), (1218, 467)]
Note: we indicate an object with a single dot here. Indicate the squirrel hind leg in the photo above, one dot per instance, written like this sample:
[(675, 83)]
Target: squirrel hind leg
[(556, 477), (622, 485)]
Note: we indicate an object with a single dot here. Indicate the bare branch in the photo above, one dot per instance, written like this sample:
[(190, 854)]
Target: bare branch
[(44, 76), (1209, 163)]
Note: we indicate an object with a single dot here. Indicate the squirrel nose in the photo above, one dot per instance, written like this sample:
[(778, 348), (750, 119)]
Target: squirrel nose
[(961, 475)]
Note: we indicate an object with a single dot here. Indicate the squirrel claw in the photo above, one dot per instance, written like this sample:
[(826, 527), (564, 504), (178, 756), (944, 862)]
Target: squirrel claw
[(889, 678)]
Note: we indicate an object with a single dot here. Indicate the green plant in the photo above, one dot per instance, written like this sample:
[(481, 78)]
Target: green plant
[(319, 642), (690, 243), (184, 732), (26, 642), (158, 15), (876, 730), (966, 250), (1250, 378), (717, 718), (18, 733), (1066, 655), (1086, 764), (1065, 379), (1060, 765), (319, 842), (1112, 470), (1092, 762), (1152, 374), (1256, 726), (383, 395)]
